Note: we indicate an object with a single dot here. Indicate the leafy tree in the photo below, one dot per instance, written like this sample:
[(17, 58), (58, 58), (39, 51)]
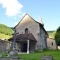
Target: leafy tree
[(57, 36)]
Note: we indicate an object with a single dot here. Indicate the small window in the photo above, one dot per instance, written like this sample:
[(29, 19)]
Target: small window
[(52, 43), (26, 30)]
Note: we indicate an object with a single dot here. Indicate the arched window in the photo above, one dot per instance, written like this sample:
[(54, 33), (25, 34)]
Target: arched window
[(26, 30)]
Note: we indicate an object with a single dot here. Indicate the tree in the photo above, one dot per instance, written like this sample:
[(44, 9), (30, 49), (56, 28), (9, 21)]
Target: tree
[(57, 36)]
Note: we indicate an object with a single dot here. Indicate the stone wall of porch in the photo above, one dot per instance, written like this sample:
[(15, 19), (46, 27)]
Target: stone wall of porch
[(27, 45)]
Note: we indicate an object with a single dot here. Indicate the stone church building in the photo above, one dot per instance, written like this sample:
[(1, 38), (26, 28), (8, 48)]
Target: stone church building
[(31, 35)]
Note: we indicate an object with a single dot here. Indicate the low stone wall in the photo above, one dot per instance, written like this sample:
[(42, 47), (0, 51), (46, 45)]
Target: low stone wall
[(46, 58), (4, 45), (9, 59)]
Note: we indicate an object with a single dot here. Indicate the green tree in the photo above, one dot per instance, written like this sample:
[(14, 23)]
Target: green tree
[(57, 36)]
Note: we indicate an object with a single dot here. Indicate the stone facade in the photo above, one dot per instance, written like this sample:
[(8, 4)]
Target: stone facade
[(51, 44), (4, 45), (37, 39), (34, 27)]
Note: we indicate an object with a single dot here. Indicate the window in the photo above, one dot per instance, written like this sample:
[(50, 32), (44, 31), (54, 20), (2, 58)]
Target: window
[(26, 30), (52, 43)]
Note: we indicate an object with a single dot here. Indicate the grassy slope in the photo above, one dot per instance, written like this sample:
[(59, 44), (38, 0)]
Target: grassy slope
[(37, 56), (51, 33), (4, 36), (5, 31)]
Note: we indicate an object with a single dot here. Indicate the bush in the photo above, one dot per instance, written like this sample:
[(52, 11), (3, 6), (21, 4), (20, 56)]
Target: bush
[(3, 54), (38, 51), (57, 36), (45, 49)]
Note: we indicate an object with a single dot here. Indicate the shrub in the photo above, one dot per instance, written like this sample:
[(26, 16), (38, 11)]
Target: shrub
[(3, 54)]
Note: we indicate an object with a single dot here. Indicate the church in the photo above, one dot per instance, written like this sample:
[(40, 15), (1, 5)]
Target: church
[(31, 35)]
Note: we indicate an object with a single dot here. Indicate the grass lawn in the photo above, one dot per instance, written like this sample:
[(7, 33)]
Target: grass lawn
[(37, 56)]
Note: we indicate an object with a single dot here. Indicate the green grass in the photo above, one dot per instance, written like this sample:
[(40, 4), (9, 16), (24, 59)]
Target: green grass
[(37, 56)]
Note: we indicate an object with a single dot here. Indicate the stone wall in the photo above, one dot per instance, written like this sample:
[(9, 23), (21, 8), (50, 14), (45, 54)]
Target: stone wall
[(42, 39), (8, 59), (46, 58), (4, 45), (51, 44), (33, 27)]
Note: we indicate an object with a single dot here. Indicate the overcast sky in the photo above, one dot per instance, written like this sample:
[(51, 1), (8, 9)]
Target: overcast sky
[(11, 12)]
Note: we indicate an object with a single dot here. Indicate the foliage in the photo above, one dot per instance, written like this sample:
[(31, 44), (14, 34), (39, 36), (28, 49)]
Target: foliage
[(37, 51), (3, 54), (45, 49), (6, 30), (57, 36)]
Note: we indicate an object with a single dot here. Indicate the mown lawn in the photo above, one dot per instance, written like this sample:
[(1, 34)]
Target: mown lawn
[(37, 56)]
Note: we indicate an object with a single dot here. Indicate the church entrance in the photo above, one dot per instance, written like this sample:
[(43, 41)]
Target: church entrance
[(24, 47)]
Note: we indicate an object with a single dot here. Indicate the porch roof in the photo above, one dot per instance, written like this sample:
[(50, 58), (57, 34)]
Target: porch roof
[(26, 36)]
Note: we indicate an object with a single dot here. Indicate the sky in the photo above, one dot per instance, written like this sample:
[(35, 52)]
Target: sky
[(11, 12)]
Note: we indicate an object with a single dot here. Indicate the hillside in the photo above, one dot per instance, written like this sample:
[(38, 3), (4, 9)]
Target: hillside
[(3, 36), (51, 33), (5, 32)]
